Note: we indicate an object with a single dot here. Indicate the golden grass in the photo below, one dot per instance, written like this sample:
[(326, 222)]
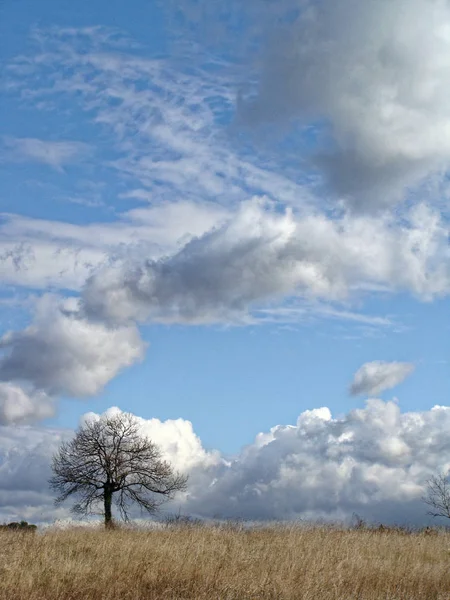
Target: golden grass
[(228, 564)]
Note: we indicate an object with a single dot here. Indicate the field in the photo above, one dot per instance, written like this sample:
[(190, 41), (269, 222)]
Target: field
[(228, 563)]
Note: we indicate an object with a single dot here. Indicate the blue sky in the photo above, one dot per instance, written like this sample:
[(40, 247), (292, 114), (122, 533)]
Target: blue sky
[(234, 382), (223, 216)]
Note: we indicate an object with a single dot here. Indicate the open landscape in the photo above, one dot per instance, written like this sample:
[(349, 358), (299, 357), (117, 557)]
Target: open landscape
[(225, 562), (225, 300)]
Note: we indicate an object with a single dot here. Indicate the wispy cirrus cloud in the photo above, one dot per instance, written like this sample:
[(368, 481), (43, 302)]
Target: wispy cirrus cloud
[(295, 314), (168, 124), (55, 154), (139, 104)]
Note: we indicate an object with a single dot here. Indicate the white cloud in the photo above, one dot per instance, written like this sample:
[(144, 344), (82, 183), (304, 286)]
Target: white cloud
[(295, 314), (191, 164), (261, 255), (25, 457), (186, 259), (377, 376), (373, 461), (40, 253), (62, 352), (176, 438), (18, 407), (41, 263), (53, 154)]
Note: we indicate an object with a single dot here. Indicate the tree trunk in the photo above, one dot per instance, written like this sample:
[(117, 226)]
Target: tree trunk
[(108, 513)]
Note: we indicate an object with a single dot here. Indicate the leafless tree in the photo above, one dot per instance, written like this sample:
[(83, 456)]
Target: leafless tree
[(110, 460), (438, 495)]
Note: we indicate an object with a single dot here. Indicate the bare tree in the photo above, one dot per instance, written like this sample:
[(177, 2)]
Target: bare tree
[(438, 495), (109, 460)]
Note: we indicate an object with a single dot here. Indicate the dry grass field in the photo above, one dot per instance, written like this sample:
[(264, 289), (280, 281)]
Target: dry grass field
[(209, 563)]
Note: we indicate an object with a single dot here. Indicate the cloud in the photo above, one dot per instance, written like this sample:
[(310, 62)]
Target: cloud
[(367, 83), (187, 258), (295, 314), (192, 158), (41, 253), (63, 353), (374, 461), (193, 161), (40, 263), (261, 254), (165, 122), (175, 437), (377, 376), (25, 458), (19, 408), (53, 154)]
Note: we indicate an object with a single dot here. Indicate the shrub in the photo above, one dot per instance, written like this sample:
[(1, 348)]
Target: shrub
[(22, 526)]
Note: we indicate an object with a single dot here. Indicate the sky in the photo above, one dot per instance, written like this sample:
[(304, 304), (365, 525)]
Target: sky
[(232, 222)]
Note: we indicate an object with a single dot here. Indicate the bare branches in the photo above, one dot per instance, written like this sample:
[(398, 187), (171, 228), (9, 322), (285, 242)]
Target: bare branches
[(108, 460), (438, 495)]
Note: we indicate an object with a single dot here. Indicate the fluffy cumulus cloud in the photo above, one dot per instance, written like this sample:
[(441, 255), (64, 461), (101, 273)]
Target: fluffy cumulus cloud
[(176, 439), (374, 461), (261, 254), (18, 407), (25, 457), (377, 376), (62, 352), (375, 75)]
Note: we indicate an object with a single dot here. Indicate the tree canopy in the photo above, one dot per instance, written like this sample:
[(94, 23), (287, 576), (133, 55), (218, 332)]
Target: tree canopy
[(109, 461)]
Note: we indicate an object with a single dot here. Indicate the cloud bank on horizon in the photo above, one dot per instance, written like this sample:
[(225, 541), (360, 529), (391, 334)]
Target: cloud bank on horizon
[(374, 461)]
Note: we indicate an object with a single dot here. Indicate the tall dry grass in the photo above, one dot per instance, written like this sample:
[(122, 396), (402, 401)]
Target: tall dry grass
[(227, 564)]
